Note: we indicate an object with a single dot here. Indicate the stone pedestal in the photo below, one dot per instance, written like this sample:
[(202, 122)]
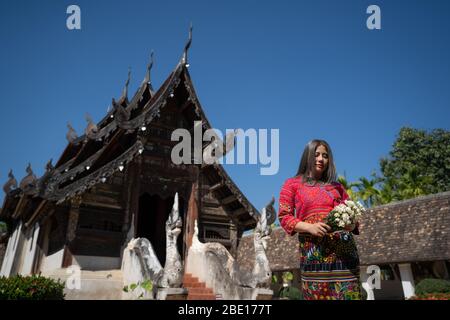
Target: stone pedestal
[(263, 294), (172, 294)]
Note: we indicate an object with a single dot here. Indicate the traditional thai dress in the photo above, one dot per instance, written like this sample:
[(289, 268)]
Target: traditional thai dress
[(329, 265)]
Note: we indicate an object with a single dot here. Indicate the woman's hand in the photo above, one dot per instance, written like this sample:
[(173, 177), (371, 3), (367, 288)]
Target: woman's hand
[(318, 229)]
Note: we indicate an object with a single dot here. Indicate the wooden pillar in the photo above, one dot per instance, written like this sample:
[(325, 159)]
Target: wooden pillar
[(72, 224), (131, 194), (192, 215), (134, 195)]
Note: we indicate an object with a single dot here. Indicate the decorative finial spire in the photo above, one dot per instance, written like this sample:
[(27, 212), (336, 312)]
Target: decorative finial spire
[(91, 129), (29, 170), (11, 184), (49, 166), (149, 67), (29, 180), (186, 47), (125, 89), (71, 135)]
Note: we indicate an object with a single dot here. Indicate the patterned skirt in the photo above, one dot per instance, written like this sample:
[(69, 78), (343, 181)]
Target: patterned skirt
[(329, 266)]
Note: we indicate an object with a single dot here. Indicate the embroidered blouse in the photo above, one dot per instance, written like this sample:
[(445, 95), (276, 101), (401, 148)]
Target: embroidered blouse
[(299, 201)]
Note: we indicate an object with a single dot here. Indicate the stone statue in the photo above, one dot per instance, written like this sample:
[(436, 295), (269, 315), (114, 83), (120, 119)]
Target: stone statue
[(262, 275), (173, 268), (11, 184), (213, 264), (140, 261)]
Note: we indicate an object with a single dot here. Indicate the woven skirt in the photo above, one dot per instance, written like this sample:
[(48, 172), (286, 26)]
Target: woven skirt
[(329, 266)]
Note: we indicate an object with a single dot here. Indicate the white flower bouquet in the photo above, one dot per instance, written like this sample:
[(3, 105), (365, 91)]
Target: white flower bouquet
[(345, 216)]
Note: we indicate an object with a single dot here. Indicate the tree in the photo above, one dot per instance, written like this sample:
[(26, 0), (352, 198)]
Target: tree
[(419, 163), (348, 186), (367, 190)]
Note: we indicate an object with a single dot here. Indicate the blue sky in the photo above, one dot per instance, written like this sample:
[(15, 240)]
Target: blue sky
[(312, 69)]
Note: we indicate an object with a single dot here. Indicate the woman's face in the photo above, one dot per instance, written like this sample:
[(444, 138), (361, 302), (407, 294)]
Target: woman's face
[(321, 163)]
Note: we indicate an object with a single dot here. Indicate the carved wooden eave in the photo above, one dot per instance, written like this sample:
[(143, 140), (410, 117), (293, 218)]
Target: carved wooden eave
[(65, 173), (96, 177), (42, 207), (229, 197), (246, 214), (23, 201)]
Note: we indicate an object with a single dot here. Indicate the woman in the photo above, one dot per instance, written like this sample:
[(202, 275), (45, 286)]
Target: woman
[(329, 262)]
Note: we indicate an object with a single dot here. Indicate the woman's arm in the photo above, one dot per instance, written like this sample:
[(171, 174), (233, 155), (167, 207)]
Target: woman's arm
[(318, 229), (286, 208)]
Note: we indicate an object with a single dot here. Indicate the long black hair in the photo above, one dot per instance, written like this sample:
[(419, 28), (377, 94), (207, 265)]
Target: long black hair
[(309, 158)]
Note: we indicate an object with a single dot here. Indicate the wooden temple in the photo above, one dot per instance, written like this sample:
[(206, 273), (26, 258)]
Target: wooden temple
[(117, 182)]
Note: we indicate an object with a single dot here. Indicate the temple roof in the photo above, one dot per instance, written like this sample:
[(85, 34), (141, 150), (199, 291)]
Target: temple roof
[(116, 140)]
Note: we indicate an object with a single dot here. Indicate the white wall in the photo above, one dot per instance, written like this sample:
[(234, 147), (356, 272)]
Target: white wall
[(30, 251), (11, 250), (53, 261)]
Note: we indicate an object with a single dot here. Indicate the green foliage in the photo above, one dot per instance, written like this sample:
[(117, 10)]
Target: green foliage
[(274, 279), (291, 293), (287, 276), (432, 286), (418, 164), (419, 160), (3, 227), (147, 285), (35, 287)]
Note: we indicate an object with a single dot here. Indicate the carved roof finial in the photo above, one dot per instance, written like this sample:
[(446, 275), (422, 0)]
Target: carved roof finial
[(29, 180), (187, 46), (149, 67), (49, 166), (125, 89), (29, 170), (71, 135), (11, 184), (91, 129), (122, 114)]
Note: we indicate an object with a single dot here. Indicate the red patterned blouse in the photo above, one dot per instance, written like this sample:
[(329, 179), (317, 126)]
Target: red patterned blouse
[(300, 201)]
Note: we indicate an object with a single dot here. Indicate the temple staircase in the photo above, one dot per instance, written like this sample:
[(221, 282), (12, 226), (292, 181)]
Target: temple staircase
[(197, 290)]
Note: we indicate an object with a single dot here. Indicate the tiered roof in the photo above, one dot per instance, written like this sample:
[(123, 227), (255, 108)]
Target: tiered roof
[(109, 145)]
